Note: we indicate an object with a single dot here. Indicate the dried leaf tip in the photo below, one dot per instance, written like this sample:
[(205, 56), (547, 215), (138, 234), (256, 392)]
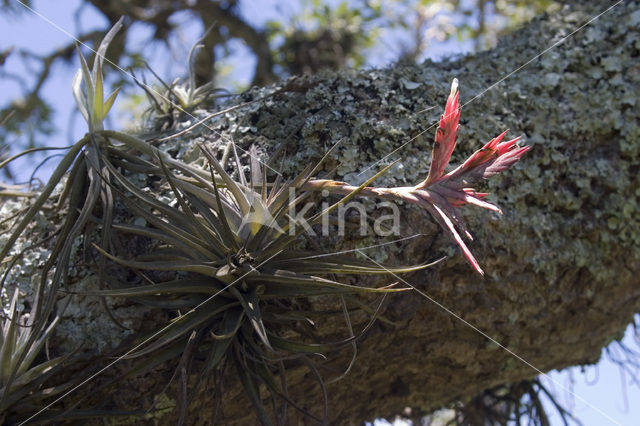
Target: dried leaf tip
[(454, 87)]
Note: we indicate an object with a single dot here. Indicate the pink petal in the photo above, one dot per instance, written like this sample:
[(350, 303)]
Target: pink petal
[(480, 203), (473, 192), (461, 197), (432, 197), (505, 161), (445, 140), (482, 155), (442, 218), (506, 146), (444, 215)]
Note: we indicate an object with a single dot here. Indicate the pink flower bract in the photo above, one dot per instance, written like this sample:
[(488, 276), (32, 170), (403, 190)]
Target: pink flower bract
[(441, 193)]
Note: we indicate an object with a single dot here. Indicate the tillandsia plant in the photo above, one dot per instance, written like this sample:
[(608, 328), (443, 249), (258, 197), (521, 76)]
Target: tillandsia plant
[(442, 193), (22, 378), (176, 98), (20, 346), (239, 276)]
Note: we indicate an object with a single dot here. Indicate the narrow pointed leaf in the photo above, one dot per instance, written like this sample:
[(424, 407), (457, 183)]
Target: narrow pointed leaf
[(57, 174), (80, 97), (448, 226), (197, 285), (98, 96), (109, 102), (184, 325), (251, 307), (88, 81), (104, 45), (251, 389), (230, 325), (235, 189)]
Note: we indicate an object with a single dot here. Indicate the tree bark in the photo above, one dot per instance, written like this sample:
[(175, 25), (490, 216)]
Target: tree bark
[(561, 262)]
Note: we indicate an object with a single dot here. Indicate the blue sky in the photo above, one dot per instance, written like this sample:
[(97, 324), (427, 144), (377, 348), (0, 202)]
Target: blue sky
[(611, 392)]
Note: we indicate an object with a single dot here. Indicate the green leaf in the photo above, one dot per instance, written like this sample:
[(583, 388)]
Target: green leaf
[(341, 264), (9, 341), (251, 388), (109, 102), (104, 45), (80, 97), (249, 302), (30, 375), (180, 241), (98, 93), (230, 324), (153, 152), (197, 285), (184, 325), (298, 347), (228, 236), (88, 84), (35, 348), (286, 282), (216, 354), (189, 218), (164, 265), (235, 189)]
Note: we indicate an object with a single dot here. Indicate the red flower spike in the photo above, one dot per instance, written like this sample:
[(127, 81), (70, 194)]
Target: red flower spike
[(440, 195), (479, 157)]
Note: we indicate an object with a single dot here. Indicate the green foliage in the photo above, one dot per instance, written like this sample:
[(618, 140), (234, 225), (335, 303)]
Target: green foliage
[(86, 196), (238, 274), (223, 258), (21, 376), (171, 101), (325, 38), (91, 103)]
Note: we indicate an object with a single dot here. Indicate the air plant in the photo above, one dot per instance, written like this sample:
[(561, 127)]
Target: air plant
[(189, 95), (90, 101), (240, 277), (179, 97), (22, 378), (442, 193), (21, 345)]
